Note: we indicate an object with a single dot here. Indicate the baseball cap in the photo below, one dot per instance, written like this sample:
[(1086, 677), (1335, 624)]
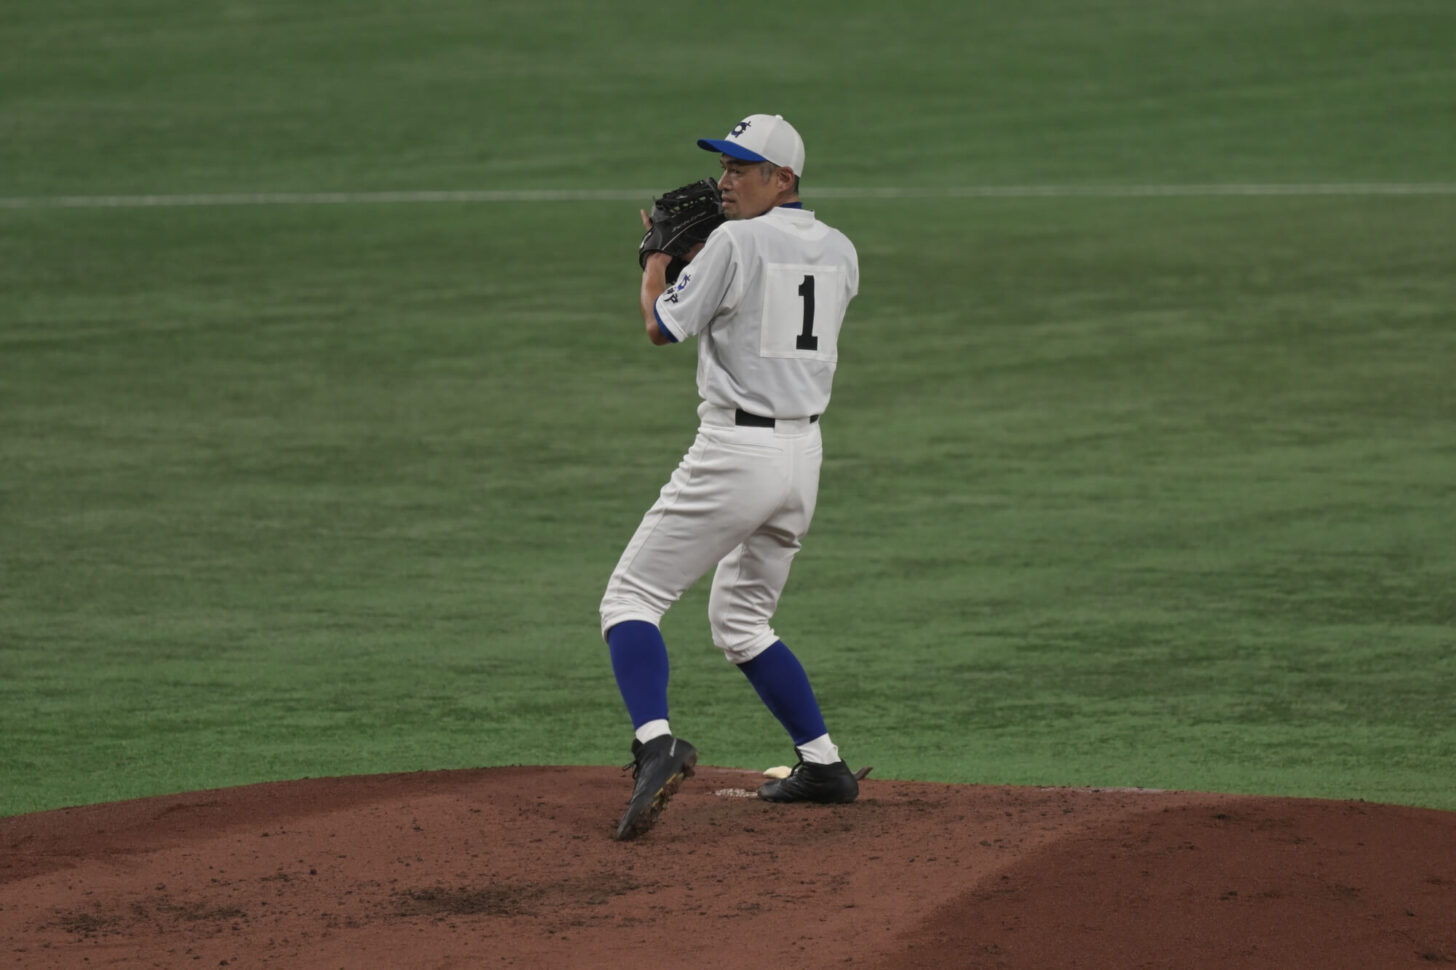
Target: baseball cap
[(761, 138)]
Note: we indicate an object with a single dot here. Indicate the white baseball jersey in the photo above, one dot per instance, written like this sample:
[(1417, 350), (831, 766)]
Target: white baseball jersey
[(765, 297)]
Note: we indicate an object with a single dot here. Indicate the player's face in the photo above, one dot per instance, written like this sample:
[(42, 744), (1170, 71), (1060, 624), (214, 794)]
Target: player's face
[(749, 188)]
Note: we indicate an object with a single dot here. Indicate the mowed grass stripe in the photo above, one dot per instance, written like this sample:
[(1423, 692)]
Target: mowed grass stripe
[(1350, 190)]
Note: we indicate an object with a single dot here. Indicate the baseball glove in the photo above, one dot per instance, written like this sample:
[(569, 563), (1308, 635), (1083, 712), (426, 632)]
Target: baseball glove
[(680, 220)]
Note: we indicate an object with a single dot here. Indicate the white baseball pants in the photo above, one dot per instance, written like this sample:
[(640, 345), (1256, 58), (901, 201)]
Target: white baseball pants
[(741, 499)]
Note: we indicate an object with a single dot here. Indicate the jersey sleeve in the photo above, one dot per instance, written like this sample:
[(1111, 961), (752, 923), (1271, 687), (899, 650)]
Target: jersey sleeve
[(703, 288)]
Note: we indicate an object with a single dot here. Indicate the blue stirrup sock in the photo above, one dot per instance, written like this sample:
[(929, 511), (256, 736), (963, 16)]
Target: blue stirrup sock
[(639, 661), (784, 688)]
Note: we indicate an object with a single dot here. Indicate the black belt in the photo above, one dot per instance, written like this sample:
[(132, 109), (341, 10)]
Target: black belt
[(743, 419)]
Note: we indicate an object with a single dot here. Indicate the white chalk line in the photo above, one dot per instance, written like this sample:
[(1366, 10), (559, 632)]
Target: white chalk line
[(422, 197)]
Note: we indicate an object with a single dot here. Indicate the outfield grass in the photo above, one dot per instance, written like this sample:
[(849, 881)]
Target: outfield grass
[(1119, 491)]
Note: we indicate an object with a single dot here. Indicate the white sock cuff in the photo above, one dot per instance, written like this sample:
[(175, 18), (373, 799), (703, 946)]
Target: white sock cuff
[(652, 729), (820, 751)]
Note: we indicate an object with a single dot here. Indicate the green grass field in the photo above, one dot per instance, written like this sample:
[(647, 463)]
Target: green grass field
[(1121, 489)]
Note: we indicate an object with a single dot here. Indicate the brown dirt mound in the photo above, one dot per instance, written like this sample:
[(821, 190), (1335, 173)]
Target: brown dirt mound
[(516, 867)]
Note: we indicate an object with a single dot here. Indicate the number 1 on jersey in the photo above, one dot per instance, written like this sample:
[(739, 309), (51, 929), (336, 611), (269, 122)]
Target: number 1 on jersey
[(803, 304), (807, 340)]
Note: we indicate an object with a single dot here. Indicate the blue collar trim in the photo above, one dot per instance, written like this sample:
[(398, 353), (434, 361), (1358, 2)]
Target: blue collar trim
[(792, 205)]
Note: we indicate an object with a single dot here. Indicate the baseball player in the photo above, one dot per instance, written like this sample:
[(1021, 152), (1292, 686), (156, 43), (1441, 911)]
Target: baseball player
[(765, 296)]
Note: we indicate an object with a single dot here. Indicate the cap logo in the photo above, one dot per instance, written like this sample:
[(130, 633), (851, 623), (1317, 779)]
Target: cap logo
[(739, 128)]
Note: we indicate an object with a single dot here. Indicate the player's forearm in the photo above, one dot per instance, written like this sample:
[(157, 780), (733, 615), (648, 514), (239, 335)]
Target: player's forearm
[(654, 283)]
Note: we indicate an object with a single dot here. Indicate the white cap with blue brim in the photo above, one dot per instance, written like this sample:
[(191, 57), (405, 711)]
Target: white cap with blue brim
[(761, 138)]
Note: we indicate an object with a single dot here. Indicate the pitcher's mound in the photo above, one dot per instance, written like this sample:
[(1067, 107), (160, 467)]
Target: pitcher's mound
[(516, 867)]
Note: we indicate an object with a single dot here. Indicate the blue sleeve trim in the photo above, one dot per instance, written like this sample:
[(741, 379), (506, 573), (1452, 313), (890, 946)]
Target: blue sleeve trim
[(662, 327)]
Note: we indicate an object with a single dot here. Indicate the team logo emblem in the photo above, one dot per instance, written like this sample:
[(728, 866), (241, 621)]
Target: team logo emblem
[(739, 128), (682, 281)]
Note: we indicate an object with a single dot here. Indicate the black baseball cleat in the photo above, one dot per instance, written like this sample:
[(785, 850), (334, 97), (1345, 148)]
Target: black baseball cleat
[(825, 784), (659, 767)]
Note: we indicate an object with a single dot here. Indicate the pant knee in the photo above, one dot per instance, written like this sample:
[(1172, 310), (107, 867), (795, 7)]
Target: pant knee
[(741, 644), (618, 608)]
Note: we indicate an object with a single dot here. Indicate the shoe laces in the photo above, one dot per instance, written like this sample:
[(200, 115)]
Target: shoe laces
[(636, 763)]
